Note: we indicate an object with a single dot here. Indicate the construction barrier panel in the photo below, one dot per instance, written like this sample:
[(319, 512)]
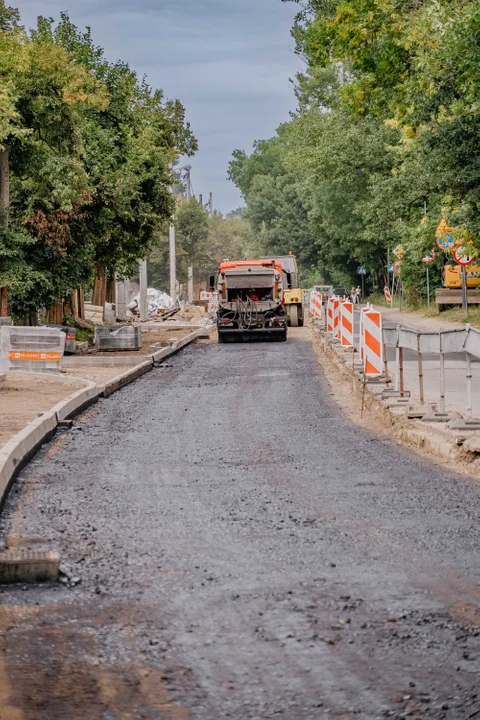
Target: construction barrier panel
[(330, 316), (346, 324), (336, 319), (31, 349), (372, 343), (316, 304)]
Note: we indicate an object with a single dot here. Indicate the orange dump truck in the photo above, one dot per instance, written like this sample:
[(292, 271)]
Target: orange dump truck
[(251, 298)]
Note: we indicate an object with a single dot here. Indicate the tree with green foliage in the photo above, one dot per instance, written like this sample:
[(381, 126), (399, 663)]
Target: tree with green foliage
[(91, 156)]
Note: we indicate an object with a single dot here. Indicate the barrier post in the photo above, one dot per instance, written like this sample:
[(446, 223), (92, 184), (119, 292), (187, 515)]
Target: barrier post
[(441, 404), (468, 364), (385, 365), (400, 368), (420, 371), (330, 316)]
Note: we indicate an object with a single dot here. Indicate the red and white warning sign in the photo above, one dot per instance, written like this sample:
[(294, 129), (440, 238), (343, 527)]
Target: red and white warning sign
[(462, 257), (388, 295)]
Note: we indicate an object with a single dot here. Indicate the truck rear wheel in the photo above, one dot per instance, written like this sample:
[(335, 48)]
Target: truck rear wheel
[(293, 315)]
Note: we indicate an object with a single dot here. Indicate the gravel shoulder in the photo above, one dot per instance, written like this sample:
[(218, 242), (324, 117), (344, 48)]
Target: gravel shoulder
[(241, 550)]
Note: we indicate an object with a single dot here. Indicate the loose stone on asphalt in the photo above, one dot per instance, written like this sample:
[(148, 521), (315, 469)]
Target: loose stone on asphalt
[(258, 556)]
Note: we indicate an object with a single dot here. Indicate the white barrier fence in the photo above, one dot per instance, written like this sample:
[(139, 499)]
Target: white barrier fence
[(373, 341), (464, 341)]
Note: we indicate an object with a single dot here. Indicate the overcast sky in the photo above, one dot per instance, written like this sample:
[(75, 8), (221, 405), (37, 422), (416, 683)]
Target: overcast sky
[(228, 61)]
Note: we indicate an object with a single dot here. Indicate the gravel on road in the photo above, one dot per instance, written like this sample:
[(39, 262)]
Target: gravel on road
[(235, 547)]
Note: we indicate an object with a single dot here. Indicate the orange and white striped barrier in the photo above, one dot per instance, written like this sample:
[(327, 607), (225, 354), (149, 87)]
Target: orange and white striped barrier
[(360, 337), (372, 343), (330, 315), (336, 319), (346, 324), (316, 304)]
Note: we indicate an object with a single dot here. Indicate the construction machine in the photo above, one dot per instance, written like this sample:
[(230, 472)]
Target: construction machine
[(293, 293), (251, 300)]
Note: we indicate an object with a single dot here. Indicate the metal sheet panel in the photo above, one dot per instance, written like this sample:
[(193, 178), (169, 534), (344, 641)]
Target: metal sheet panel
[(453, 341), (390, 336), (472, 342), (430, 343), (407, 338)]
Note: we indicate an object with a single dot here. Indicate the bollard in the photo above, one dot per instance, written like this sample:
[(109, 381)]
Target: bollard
[(400, 369)]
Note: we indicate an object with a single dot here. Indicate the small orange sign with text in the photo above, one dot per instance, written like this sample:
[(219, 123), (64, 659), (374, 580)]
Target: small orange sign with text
[(35, 356)]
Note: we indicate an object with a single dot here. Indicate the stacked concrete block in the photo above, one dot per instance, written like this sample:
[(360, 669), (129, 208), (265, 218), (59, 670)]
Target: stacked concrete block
[(115, 338), (70, 337), (31, 349), (5, 321)]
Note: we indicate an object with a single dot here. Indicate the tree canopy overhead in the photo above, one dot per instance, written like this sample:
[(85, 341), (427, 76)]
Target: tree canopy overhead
[(91, 147), (387, 126)]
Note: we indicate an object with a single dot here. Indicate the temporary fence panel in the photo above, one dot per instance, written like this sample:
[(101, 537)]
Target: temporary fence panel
[(453, 341), (330, 315), (408, 338), (429, 343), (472, 342), (372, 343), (346, 324), (390, 336), (31, 349)]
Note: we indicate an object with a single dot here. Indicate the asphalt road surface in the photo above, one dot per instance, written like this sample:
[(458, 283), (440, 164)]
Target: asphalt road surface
[(239, 549)]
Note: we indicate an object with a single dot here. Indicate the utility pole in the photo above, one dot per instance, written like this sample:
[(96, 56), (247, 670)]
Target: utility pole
[(173, 264), (143, 291), (188, 182), (190, 285), (200, 200), (210, 204)]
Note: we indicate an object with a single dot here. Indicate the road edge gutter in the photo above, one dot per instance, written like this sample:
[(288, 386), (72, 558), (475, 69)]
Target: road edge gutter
[(19, 450)]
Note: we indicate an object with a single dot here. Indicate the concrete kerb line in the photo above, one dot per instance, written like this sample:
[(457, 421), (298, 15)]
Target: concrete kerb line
[(19, 450)]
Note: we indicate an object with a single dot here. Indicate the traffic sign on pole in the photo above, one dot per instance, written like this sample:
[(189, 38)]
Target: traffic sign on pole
[(429, 258), (444, 237), (461, 256)]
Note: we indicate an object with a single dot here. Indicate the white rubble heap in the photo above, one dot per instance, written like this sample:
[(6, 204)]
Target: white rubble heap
[(157, 300)]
